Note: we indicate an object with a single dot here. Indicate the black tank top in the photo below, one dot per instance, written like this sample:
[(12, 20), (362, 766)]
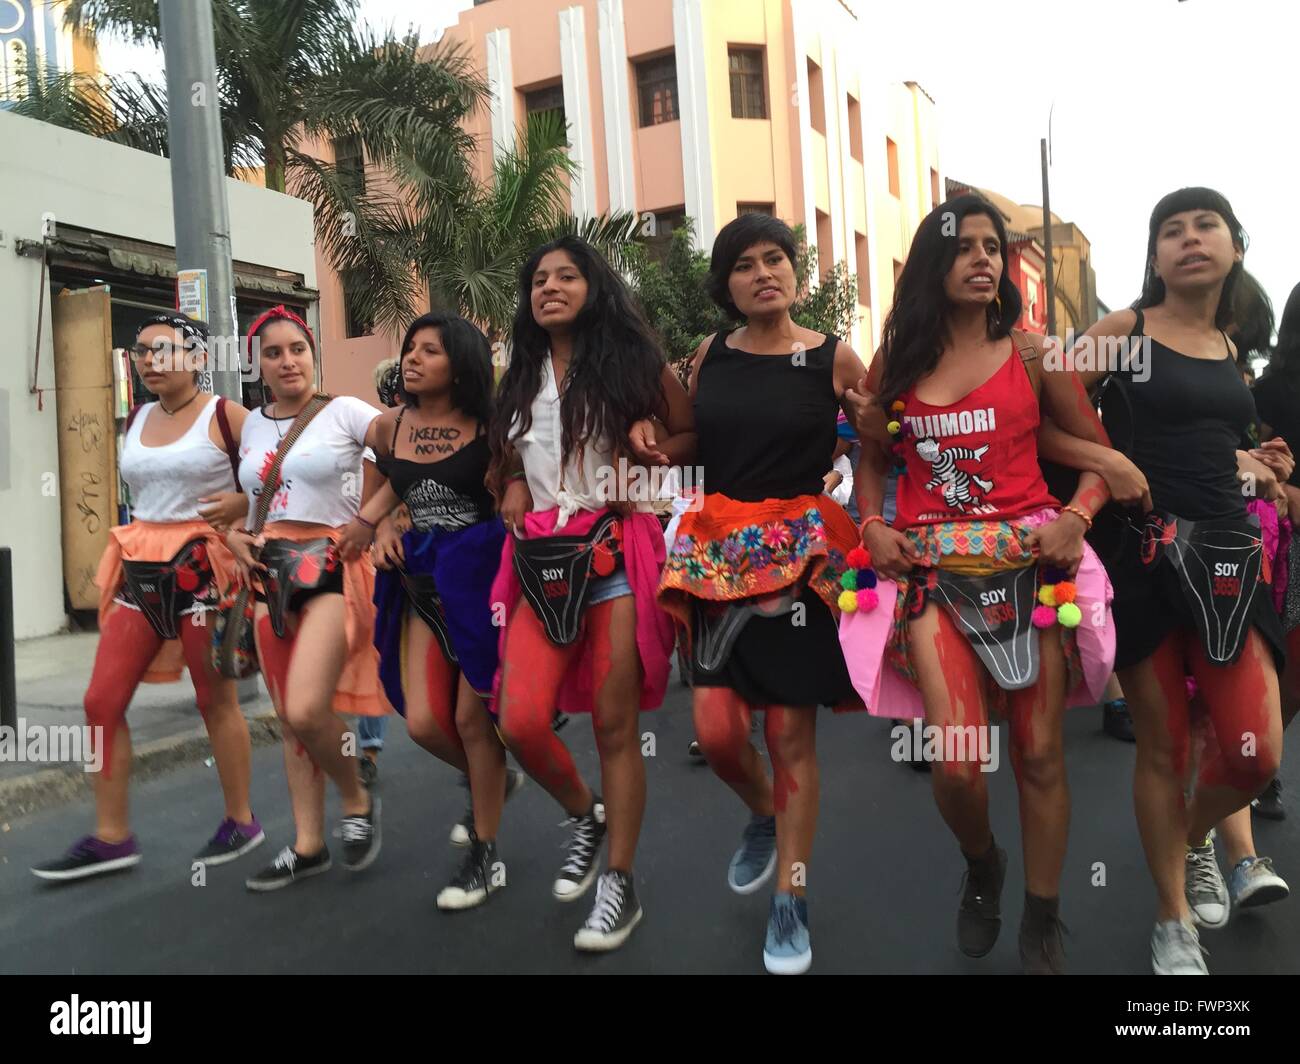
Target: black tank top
[(1187, 419), (447, 494), (766, 423)]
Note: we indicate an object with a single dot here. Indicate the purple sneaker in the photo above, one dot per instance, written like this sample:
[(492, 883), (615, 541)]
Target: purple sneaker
[(231, 840), (90, 857)]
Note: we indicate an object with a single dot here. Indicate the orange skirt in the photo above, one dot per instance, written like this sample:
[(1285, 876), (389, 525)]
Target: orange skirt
[(359, 691), (154, 541)]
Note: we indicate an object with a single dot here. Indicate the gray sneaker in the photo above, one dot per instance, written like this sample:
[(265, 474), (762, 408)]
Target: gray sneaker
[(755, 861), (1176, 949), (1254, 882), (1207, 894)]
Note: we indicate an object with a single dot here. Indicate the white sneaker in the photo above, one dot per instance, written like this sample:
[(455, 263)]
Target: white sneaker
[(1176, 949), (1207, 894), (1254, 882)]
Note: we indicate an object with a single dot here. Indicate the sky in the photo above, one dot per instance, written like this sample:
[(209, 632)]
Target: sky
[(1145, 96)]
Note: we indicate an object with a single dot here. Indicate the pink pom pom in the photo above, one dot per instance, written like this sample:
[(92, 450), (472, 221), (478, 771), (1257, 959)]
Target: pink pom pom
[(1044, 617), (867, 599), (1191, 687)]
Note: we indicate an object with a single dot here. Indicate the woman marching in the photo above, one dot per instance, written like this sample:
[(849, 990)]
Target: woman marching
[(158, 580), (433, 626), (580, 569), (753, 574), (300, 465), (999, 604), (1191, 582)]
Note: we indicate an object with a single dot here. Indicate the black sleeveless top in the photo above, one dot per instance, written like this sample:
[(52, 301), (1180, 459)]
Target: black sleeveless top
[(1182, 426), (766, 423), (450, 493)]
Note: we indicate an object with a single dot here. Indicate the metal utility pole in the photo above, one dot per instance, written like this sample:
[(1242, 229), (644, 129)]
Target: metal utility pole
[(199, 207), (1047, 244)]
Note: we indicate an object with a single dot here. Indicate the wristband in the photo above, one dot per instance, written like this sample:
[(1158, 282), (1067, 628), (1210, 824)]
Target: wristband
[(1083, 514), (521, 475), (363, 521), (862, 529)]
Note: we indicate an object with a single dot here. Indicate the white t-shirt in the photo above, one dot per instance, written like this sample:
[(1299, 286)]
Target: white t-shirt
[(320, 479)]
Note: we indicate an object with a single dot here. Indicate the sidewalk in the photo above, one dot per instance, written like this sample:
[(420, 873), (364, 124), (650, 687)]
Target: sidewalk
[(166, 729)]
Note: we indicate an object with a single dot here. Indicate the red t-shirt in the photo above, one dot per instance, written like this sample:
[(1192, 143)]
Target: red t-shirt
[(977, 458)]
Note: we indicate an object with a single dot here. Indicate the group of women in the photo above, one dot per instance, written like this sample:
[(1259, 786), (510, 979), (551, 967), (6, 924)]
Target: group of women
[(525, 584)]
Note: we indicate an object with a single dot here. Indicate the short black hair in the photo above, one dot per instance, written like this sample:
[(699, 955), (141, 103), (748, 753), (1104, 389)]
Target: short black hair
[(735, 239)]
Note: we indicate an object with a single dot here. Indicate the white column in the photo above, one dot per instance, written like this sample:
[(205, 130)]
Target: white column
[(875, 177), (577, 109), (692, 85), (798, 13), (618, 105), (501, 86)]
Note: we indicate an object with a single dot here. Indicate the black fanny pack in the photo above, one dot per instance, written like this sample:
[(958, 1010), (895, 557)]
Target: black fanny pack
[(717, 627), (555, 573), (422, 594), (1220, 566), (292, 568), (165, 590), (995, 614)]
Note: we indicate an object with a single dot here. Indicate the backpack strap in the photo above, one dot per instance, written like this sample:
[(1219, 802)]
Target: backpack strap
[(1028, 352), (130, 418), (228, 438)]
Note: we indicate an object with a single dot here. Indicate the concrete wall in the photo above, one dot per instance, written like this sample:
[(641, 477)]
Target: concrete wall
[(104, 187)]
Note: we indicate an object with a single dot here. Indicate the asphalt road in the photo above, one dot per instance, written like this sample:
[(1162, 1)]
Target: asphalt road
[(883, 882)]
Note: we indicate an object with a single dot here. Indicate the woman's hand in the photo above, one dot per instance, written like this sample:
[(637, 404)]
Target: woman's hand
[(515, 503), (833, 480), (387, 549), (245, 547), (1060, 542), (1128, 484), (355, 539), (642, 440), (1258, 479), (1277, 456), (224, 510), (892, 553)]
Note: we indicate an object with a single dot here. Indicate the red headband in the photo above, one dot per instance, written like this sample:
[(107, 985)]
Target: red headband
[(281, 313)]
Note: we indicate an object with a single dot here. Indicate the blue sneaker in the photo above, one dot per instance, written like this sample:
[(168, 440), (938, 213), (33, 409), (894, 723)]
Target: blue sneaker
[(788, 950), (755, 861), (1254, 882)]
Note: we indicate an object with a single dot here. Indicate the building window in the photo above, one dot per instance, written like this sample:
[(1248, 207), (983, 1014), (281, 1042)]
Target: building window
[(549, 100), (656, 86), (816, 98), (355, 323), (864, 268), (934, 188), (891, 154), (756, 208), (350, 163), (855, 129), (748, 95)]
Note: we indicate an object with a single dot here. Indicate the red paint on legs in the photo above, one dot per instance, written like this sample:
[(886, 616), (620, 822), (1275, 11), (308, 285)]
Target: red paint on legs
[(722, 730), (127, 645), (783, 781)]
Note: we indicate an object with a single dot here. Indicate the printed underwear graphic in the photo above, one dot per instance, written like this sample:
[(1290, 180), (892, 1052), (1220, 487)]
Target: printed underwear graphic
[(954, 482)]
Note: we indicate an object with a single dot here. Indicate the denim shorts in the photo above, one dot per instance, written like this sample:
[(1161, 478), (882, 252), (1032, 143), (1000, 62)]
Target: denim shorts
[(605, 588)]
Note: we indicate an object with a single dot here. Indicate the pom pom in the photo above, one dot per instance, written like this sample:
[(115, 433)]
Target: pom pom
[(1047, 594), (908, 432), (867, 600), (866, 578), (848, 601), (1069, 615), (859, 558), (898, 450), (900, 468), (849, 580), (1053, 574), (1065, 592), (1191, 687), (1043, 617), (897, 406), (894, 428)]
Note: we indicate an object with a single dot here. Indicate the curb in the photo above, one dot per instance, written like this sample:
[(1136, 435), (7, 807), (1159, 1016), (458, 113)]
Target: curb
[(35, 791)]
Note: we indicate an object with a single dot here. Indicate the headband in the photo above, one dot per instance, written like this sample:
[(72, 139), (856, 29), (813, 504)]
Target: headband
[(280, 313)]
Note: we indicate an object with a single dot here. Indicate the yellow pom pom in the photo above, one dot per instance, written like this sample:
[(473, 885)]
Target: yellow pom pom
[(848, 601), (1047, 594), (893, 428), (1069, 615)]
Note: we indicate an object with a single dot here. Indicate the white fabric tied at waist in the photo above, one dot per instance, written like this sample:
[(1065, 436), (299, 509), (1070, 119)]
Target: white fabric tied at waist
[(568, 505)]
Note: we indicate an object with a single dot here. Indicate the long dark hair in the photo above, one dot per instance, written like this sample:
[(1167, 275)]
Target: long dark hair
[(614, 377), (1252, 318), (471, 363), (914, 332), (1192, 199), (1285, 357)]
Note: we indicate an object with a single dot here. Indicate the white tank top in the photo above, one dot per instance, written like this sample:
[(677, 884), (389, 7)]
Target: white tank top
[(167, 482)]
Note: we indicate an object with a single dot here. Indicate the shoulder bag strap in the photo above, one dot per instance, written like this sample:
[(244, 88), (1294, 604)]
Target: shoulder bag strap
[(314, 406)]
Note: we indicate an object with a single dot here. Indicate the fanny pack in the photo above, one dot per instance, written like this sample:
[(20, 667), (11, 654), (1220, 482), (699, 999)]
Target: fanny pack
[(717, 627), (423, 596), (995, 614), (1221, 566), (292, 567), (165, 590), (555, 574)]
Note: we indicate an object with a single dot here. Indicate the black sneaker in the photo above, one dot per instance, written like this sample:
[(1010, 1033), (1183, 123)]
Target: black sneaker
[(579, 870), (361, 838), (90, 857), (1117, 721), (287, 868), (613, 917), (481, 874), (231, 840), (463, 829), (1042, 950), (369, 771), (1269, 804), (979, 919)]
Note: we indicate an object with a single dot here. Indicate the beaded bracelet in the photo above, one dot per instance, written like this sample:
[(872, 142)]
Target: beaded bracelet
[(1083, 514)]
